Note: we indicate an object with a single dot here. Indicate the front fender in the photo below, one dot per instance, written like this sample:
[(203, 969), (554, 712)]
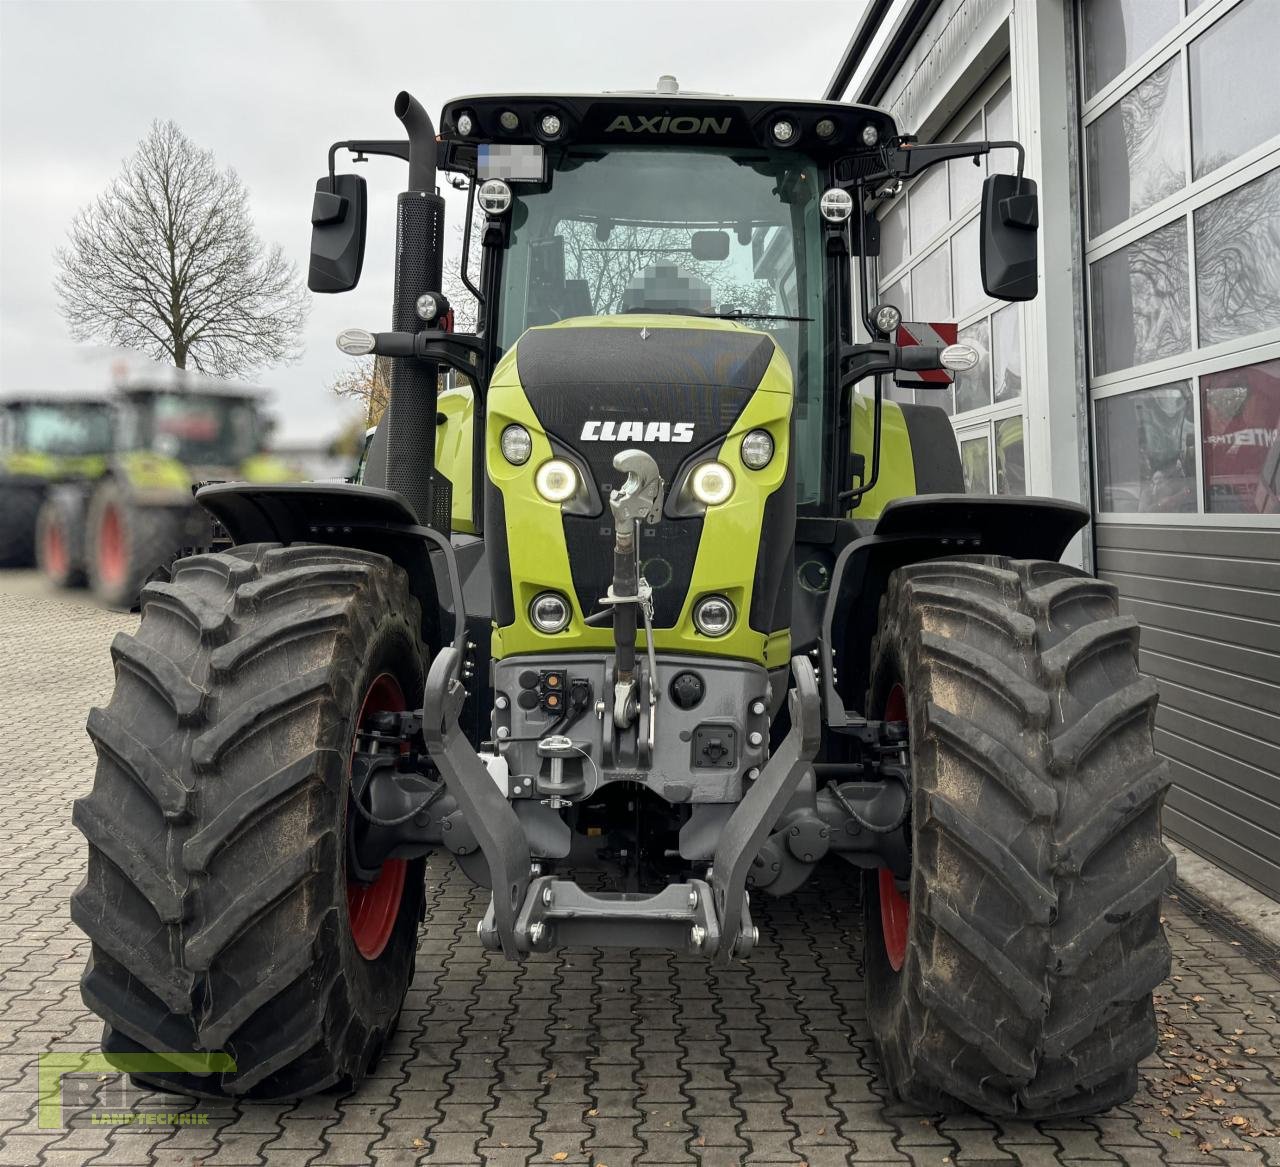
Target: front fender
[(912, 530)]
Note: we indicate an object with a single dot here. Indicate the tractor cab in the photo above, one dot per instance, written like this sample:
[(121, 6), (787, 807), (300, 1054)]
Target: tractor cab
[(61, 429), (212, 428)]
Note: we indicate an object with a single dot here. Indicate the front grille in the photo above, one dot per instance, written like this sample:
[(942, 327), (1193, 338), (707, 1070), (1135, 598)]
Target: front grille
[(572, 376)]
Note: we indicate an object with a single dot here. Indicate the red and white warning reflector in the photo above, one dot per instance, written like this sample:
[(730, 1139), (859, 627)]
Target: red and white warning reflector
[(939, 335)]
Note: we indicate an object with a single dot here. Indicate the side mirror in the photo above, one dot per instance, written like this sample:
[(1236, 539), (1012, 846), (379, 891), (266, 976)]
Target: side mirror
[(338, 216), (1010, 219)]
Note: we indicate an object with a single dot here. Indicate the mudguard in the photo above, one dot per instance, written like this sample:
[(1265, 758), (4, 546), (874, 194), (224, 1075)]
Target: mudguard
[(152, 479), (348, 515), (911, 530)]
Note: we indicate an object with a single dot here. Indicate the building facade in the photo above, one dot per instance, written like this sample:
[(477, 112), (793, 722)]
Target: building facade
[(1145, 378)]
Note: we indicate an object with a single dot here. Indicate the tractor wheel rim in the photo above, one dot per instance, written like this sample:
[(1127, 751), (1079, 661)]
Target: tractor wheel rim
[(895, 908), (372, 908), (111, 552), (55, 551)]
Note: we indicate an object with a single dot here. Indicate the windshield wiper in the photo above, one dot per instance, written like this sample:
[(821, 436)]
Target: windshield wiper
[(735, 315)]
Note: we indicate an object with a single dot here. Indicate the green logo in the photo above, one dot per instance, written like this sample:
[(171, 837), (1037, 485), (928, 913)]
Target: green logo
[(53, 1066)]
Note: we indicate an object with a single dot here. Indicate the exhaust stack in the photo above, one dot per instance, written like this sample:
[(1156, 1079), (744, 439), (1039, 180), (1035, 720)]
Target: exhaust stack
[(411, 410)]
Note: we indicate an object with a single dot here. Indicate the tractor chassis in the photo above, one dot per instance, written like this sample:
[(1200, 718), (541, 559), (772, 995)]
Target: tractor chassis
[(419, 785)]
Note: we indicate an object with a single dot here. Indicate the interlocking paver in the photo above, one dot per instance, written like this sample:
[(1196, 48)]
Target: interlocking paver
[(609, 1058)]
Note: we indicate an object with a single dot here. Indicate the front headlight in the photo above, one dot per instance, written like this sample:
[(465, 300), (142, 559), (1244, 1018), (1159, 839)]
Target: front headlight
[(713, 615), (557, 480), (757, 449), (516, 444), (711, 483)]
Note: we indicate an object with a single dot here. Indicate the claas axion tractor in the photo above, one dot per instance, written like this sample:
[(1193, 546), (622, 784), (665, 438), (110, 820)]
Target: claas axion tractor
[(656, 616)]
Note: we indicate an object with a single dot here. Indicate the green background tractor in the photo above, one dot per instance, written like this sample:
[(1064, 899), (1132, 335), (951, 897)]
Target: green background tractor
[(667, 607), (44, 441), (139, 513)]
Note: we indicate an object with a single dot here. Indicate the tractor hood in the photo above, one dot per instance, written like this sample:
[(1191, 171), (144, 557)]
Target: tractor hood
[(683, 389)]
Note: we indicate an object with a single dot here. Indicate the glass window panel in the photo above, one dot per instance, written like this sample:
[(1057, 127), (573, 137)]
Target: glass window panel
[(973, 388), (1240, 416), (894, 247), (966, 270), (1118, 32), (899, 295), (1000, 118), (1006, 352), (1140, 300), (1146, 450), (963, 176), (928, 208), (975, 457), (1011, 472), (1233, 64), (1135, 150), (1238, 261), (931, 287)]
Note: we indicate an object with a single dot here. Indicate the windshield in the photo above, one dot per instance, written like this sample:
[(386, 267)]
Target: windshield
[(66, 429), (204, 429), (679, 231)]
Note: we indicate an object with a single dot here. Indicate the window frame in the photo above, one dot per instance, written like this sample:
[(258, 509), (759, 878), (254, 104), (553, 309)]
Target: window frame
[(1195, 194), (982, 418)]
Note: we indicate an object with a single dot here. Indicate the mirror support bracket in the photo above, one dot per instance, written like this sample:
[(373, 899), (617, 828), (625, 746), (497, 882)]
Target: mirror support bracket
[(390, 147)]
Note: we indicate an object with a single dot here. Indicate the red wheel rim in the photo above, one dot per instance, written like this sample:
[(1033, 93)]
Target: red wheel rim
[(111, 552), (55, 550), (895, 909), (372, 908)]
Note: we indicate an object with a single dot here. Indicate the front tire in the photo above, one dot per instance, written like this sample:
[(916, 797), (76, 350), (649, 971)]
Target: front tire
[(19, 503), (1028, 938), (216, 893), (126, 543), (58, 545)]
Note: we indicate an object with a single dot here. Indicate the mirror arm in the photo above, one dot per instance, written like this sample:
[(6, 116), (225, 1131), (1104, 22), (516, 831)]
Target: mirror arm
[(461, 351), (392, 148), (906, 161), (466, 252)]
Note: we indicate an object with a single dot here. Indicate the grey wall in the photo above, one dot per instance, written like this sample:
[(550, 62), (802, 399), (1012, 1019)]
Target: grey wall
[(1208, 599)]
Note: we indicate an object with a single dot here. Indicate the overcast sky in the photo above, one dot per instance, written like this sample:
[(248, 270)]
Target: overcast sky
[(268, 86)]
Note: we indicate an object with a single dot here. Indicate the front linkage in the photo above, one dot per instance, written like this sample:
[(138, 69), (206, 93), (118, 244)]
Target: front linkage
[(418, 784)]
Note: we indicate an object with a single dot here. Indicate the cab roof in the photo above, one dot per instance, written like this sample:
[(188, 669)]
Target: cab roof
[(664, 117)]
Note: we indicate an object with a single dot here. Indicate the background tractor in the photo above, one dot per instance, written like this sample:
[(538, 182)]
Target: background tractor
[(175, 431), (656, 616), (45, 440)]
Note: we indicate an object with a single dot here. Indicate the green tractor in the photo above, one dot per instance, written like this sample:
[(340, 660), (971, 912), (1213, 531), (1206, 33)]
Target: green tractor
[(139, 514), (44, 441), (648, 622)]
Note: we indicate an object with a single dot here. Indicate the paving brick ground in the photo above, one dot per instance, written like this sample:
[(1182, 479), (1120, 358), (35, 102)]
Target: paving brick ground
[(581, 1057)]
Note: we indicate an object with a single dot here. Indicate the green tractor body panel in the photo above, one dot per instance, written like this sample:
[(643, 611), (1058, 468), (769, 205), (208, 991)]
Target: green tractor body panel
[(454, 446), (897, 477), (727, 545)]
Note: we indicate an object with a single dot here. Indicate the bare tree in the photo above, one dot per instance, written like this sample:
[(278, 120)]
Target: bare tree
[(166, 262), (366, 381)]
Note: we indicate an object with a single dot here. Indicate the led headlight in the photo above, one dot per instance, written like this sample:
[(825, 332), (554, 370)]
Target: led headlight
[(428, 306), (757, 449), (557, 480), (870, 135), (887, 319), (713, 615), (711, 483), (783, 130), (550, 125), (494, 197), (550, 612), (836, 205), (509, 120), (825, 128), (464, 124), (516, 444)]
